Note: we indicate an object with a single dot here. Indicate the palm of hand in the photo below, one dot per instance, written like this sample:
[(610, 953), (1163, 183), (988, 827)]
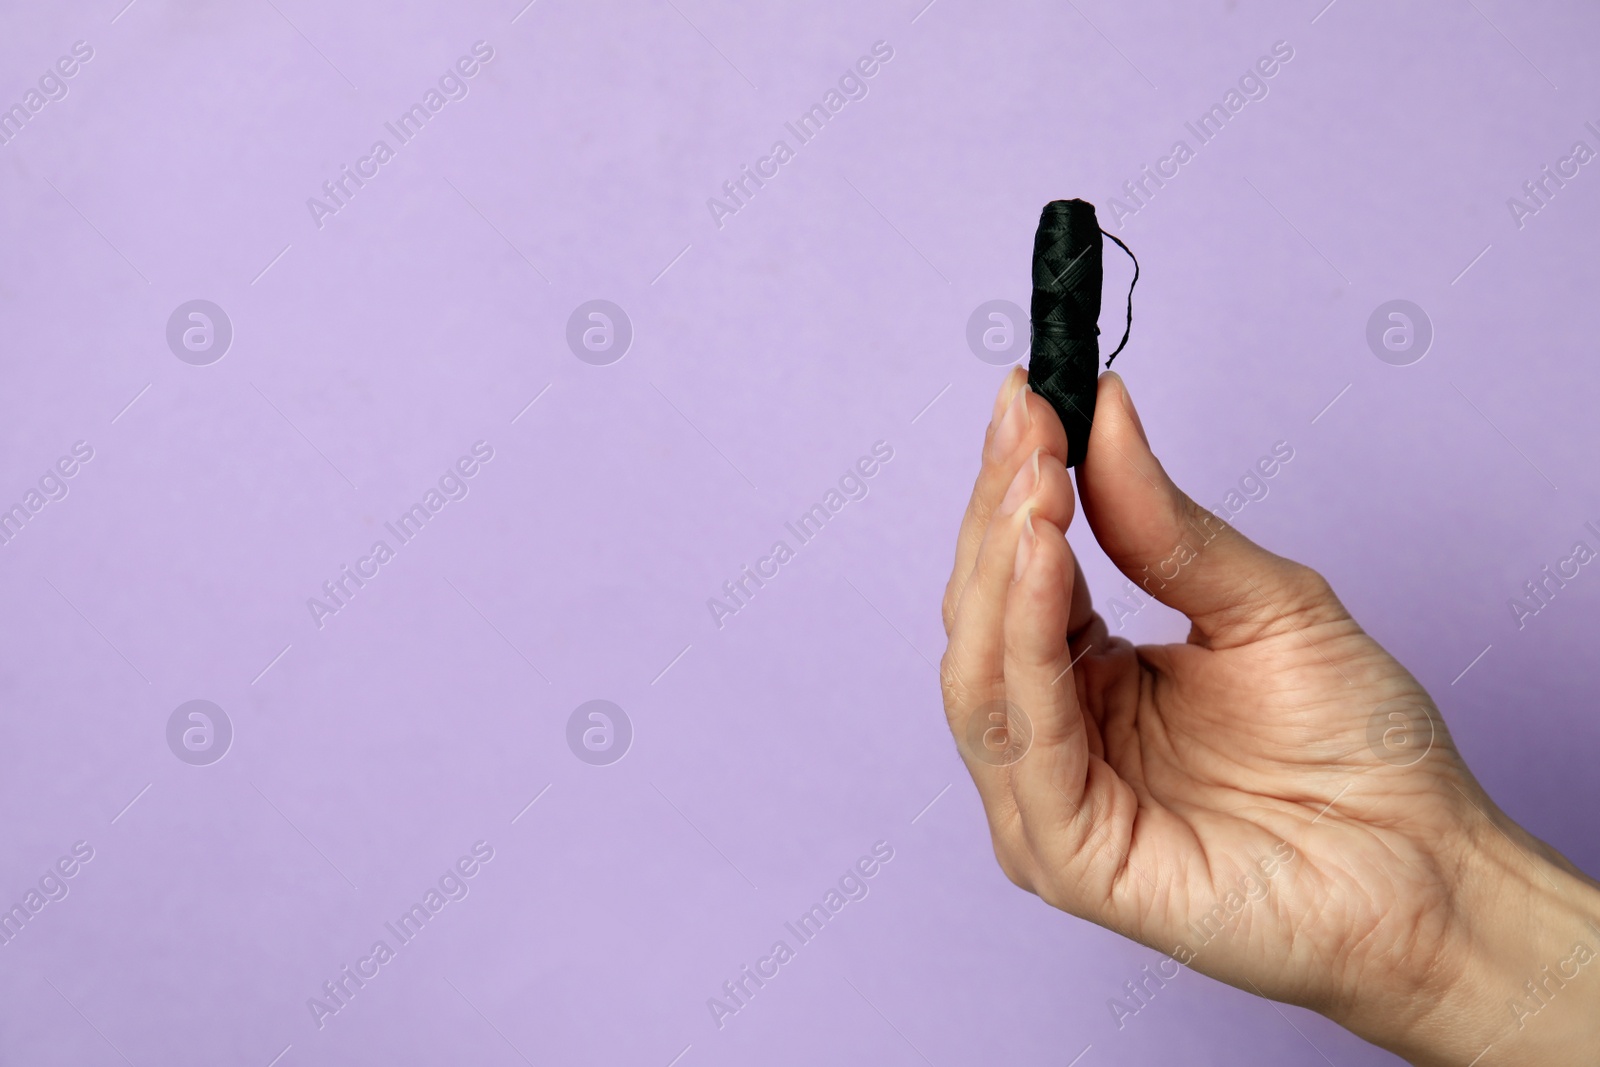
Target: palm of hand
[(1245, 802), (1259, 836)]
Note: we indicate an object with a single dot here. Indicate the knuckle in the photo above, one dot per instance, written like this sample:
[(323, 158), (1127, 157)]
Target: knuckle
[(960, 694), (1199, 517), (1016, 872), (1308, 586), (953, 682), (1309, 598)]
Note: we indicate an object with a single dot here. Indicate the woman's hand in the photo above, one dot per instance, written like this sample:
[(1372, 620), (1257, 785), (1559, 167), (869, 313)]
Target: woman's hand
[(1276, 802)]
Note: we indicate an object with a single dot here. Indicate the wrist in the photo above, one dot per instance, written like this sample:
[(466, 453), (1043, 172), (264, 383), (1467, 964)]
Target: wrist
[(1519, 982)]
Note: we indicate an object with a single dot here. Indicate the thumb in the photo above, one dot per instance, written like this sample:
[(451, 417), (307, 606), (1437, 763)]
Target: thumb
[(1233, 590)]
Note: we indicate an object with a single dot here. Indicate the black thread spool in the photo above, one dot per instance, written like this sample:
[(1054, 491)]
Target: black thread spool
[(1064, 353)]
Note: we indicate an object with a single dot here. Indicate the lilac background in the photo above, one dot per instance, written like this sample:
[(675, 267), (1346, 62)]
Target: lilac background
[(823, 317)]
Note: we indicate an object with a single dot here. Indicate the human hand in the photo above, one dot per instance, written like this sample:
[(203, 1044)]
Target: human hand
[(1275, 802)]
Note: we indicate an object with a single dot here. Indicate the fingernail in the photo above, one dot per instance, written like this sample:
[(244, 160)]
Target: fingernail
[(1127, 405), (1008, 384), (1013, 425), (1023, 485), (1025, 547)]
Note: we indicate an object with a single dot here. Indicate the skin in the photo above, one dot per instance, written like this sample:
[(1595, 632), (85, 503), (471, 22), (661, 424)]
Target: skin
[(1275, 802)]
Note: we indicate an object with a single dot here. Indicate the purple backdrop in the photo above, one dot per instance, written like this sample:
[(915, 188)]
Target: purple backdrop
[(183, 479)]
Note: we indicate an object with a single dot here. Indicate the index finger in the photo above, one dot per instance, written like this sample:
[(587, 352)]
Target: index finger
[(1022, 422)]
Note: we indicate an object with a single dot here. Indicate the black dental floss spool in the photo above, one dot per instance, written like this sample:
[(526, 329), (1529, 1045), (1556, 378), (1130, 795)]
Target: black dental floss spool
[(1064, 356)]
